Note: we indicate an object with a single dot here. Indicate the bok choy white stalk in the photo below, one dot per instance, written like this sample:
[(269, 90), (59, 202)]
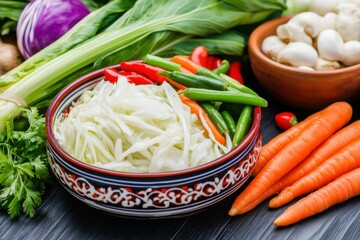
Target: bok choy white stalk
[(194, 18)]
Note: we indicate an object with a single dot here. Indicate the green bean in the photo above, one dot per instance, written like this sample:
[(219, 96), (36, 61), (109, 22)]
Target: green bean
[(161, 62), (230, 122), (233, 84), (200, 94), (242, 125), (215, 117), (223, 68), (202, 71), (193, 80)]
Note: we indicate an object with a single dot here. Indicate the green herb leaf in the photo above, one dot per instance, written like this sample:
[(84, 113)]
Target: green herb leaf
[(31, 202), (23, 165)]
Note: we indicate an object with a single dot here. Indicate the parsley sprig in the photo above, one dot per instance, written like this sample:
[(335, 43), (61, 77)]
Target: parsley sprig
[(24, 169)]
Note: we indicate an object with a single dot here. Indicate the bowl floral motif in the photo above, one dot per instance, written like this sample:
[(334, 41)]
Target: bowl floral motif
[(150, 195)]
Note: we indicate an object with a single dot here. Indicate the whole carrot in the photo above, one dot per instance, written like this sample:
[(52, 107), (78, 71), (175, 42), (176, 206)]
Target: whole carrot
[(327, 149), (342, 162), (337, 191), (201, 114), (293, 153), (270, 149)]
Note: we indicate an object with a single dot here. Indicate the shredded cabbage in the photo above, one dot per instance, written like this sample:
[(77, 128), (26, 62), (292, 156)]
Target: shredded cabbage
[(131, 128)]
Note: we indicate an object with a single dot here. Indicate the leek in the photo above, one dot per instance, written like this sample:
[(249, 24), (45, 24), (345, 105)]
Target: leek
[(193, 18)]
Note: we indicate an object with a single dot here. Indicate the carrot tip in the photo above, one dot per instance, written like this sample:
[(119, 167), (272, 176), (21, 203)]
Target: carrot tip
[(272, 204), (281, 221), (277, 223), (233, 212)]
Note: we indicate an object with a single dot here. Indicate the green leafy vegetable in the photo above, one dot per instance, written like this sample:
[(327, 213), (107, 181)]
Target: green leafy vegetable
[(9, 14), (229, 43), (94, 4), (23, 165)]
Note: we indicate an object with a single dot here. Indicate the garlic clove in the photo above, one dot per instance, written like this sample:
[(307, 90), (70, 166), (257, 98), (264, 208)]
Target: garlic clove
[(330, 45), (348, 7), (351, 53), (310, 21), (322, 7), (356, 2), (348, 21), (306, 68), (323, 64), (271, 46), (329, 21), (291, 32), (298, 54)]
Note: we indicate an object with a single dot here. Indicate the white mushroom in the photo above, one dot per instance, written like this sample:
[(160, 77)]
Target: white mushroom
[(330, 45), (356, 2), (310, 21), (322, 7), (298, 54), (329, 21), (291, 32), (306, 68), (323, 64), (348, 21), (351, 53), (272, 45)]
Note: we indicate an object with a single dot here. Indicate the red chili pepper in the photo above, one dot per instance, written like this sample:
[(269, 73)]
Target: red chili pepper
[(217, 62), (136, 78), (112, 76), (213, 62), (209, 62), (149, 71), (235, 72), (199, 55), (285, 120)]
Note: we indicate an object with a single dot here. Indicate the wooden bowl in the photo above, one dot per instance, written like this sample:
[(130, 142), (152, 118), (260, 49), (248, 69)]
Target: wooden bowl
[(311, 90)]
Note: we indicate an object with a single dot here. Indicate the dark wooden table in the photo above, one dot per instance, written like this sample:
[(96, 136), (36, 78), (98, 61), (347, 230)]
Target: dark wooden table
[(63, 217)]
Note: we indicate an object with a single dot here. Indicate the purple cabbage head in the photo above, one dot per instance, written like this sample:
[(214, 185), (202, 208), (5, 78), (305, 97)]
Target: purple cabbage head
[(44, 21)]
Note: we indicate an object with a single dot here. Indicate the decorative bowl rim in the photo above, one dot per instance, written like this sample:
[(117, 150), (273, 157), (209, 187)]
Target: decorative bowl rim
[(49, 120)]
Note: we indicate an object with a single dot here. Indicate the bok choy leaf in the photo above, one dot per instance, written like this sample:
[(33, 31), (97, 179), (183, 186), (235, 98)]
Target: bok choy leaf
[(229, 43)]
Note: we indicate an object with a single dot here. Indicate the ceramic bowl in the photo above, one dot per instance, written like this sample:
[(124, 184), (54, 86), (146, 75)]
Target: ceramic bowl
[(303, 89), (155, 195)]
